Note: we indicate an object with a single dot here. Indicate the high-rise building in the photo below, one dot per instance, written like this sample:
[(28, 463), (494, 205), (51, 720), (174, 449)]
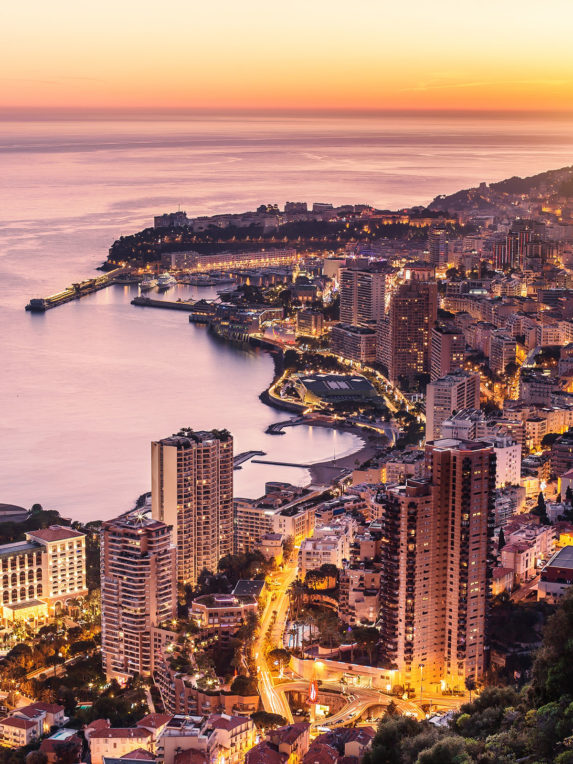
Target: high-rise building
[(463, 486), (447, 395), (138, 591), (448, 345), (438, 245), (405, 341), (192, 490), (412, 553), (502, 351), (356, 343), (435, 574), (362, 294)]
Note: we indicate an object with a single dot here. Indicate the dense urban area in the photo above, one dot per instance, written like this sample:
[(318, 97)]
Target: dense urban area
[(412, 603)]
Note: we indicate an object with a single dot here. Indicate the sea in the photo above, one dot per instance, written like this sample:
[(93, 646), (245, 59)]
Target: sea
[(86, 387)]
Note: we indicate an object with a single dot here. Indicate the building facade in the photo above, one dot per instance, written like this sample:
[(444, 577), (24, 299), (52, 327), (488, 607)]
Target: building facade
[(138, 592), (192, 490)]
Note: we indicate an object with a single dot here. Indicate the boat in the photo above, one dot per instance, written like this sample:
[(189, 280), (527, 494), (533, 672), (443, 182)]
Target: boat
[(165, 281), (148, 283)]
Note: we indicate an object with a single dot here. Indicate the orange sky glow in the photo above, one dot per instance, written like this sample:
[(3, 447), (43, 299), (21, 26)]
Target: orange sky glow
[(302, 54)]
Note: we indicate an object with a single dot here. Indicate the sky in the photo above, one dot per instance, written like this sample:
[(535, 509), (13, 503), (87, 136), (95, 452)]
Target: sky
[(348, 55)]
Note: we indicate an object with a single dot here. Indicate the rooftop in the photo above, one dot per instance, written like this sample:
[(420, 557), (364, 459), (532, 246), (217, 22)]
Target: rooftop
[(246, 588), (563, 558), (55, 533)]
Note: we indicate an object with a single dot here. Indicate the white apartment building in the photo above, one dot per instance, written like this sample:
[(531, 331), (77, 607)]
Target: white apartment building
[(330, 545), (447, 395)]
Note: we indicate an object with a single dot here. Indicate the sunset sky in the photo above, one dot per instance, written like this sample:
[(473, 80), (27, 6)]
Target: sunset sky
[(300, 54)]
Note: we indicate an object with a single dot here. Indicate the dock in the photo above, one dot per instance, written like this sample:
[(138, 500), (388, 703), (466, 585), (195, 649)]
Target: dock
[(244, 457), (77, 291), (281, 464), (149, 302)]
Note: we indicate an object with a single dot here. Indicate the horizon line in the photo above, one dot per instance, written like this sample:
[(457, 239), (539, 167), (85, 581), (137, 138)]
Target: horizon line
[(15, 113)]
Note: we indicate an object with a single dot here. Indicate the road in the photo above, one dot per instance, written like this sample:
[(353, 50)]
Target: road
[(359, 699), (273, 701)]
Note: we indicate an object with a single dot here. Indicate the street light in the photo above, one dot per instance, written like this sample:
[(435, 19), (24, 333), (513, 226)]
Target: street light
[(421, 667)]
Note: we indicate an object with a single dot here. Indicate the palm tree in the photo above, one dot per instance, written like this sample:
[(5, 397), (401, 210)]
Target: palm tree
[(470, 685)]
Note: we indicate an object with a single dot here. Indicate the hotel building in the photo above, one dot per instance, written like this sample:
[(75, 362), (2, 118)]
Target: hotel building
[(40, 575)]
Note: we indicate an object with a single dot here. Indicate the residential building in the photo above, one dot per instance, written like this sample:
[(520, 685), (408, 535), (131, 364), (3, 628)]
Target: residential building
[(138, 591), (448, 395), (330, 545), (192, 490), (557, 575), (448, 346), (503, 351), (355, 343), (223, 613), (310, 323), (405, 339), (362, 294), (562, 453)]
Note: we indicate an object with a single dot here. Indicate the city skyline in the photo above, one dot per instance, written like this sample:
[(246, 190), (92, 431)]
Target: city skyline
[(481, 57)]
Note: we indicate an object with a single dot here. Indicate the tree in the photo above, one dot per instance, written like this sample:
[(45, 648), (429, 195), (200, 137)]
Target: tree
[(541, 510), (36, 757), (244, 685), (449, 750), (266, 721), (279, 656), (501, 540), (569, 496), (470, 685)]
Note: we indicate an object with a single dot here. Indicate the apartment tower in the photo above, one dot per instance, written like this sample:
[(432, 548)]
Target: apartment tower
[(435, 572), (192, 490), (448, 395), (463, 487), (362, 294), (138, 591), (448, 346), (404, 339)]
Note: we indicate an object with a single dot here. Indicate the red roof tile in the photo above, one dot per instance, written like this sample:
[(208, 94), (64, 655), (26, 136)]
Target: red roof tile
[(15, 721), (55, 533), (154, 720), (139, 753)]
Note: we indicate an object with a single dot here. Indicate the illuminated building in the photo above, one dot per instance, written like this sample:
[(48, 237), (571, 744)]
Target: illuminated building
[(448, 346), (404, 340), (435, 573), (40, 575), (355, 343), (362, 294), (138, 591), (447, 395), (192, 490)]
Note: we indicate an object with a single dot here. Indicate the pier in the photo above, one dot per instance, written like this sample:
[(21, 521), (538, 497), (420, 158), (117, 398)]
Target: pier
[(148, 302), (280, 464), (244, 457), (76, 291)]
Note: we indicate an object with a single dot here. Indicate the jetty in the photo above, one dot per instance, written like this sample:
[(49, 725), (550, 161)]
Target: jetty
[(149, 302), (244, 457), (77, 291)]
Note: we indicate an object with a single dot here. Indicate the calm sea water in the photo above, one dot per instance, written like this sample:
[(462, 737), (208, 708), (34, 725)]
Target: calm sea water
[(86, 387)]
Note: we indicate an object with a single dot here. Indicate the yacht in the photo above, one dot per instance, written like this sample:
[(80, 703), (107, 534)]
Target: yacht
[(165, 281), (148, 283)]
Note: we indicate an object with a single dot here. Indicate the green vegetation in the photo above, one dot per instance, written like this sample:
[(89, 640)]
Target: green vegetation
[(502, 725), (266, 721)]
